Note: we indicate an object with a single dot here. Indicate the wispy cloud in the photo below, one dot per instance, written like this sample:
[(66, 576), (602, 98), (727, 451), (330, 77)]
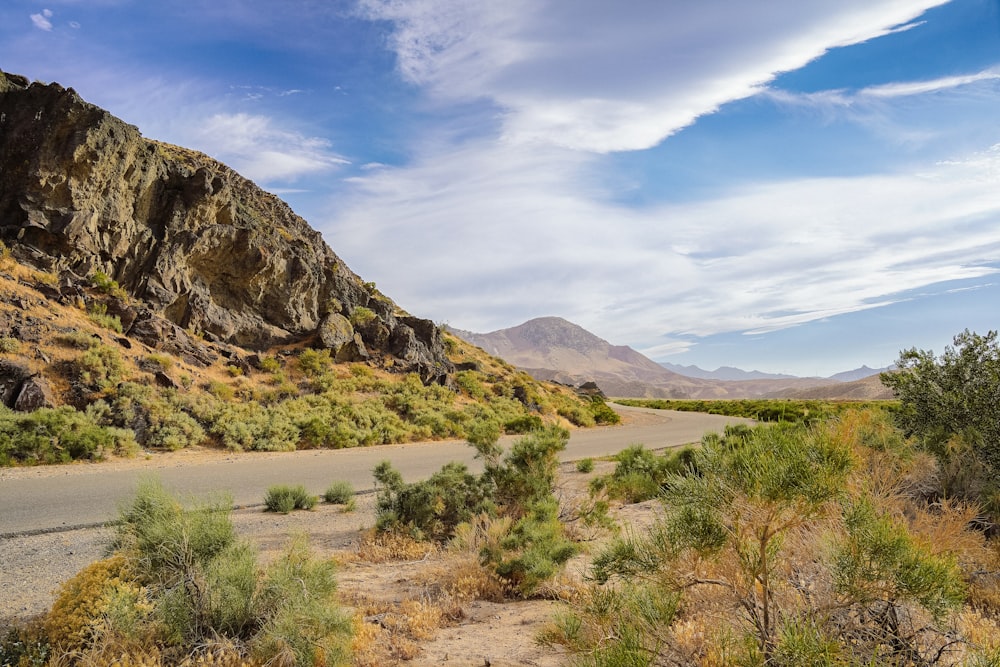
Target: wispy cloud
[(589, 76), (905, 89), (42, 21), (255, 147), (502, 220)]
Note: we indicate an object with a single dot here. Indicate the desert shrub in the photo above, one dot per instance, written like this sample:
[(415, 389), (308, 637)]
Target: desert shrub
[(234, 371), (534, 550), (578, 415), (339, 492), (585, 465), (879, 564), (79, 340), (430, 509), (103, 283), (616, 626), (24, 646), (9, 345), (523, 424), (517, 487), (221, 390), (59, 435), (285, 498), (303, 624), (777, 477), (98, 314), (159, 419), (245, 426), (314, 362), (159, 362), (469, 383), (180, 580), (100, 366), (82, 601), (603, 414), (641, 474), (361, 316), (270, 364)]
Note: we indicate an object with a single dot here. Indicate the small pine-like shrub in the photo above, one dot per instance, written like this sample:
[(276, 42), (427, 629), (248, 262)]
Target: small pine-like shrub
[(284, 499), (585, 465), (339, 493), (9, 345)]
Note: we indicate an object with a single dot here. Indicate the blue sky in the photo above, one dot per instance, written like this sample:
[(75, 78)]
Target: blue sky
[(798, 187)]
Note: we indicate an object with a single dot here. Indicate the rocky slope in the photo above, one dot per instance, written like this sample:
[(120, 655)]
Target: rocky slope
[(553, 349), (196, 246)]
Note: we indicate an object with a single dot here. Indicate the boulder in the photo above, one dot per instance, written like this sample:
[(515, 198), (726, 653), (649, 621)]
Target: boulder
[(35, 393), (12, 376)]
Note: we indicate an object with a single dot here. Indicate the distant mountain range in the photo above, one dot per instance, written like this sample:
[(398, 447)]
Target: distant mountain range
[(737, 374), (552, 348)]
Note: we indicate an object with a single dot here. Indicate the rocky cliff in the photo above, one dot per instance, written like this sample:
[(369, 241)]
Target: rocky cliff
[(197, 246)]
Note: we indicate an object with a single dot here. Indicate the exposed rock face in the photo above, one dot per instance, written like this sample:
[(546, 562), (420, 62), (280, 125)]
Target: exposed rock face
[(200, 245), (35, 393)]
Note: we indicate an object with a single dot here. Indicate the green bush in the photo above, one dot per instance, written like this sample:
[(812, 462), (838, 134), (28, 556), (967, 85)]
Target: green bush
[(430, 509), (284, 499), (313, 363), (602, 413), (361, 316), (585, 465), (105, 284), (59, 435), (98, 314), (9, 345), (185, 581), (339, 493), (100, 366)]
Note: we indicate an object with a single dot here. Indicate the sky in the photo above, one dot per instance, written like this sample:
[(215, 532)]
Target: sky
[(784, 186)]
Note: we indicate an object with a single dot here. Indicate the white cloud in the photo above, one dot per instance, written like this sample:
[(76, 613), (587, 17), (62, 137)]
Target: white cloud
[(487, 236), (42, 21), (906, 89), (253, 146), (603, 77)]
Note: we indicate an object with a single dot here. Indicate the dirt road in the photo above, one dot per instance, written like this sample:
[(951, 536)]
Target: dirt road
[(59, 498)]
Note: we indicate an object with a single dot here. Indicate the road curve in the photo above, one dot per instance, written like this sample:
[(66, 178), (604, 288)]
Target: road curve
[(72, 496)]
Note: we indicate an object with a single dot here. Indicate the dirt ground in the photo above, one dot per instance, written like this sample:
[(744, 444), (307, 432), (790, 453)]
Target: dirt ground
[(454, 631)]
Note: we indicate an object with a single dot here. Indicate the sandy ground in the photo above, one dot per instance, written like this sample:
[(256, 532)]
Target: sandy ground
[(475, 632)]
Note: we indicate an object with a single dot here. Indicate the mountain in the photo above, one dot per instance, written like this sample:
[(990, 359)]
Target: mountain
[(199, 248), (858, 374), (724, 373), (552, 348)]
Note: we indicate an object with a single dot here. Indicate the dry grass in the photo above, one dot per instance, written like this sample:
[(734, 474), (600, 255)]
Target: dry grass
[(375, 547)]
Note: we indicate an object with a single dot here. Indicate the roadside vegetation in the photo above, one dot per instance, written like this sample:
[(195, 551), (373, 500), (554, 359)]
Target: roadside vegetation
[(180, 587), (827, 534), (113, 396), (761, 409)]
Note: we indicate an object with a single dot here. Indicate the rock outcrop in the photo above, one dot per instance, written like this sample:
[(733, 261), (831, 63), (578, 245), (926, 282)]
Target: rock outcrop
[(196, 243)]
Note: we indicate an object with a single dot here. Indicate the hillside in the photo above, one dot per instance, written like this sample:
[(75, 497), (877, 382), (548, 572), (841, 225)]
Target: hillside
[(152, 297), (551, 348), (194, 244)]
